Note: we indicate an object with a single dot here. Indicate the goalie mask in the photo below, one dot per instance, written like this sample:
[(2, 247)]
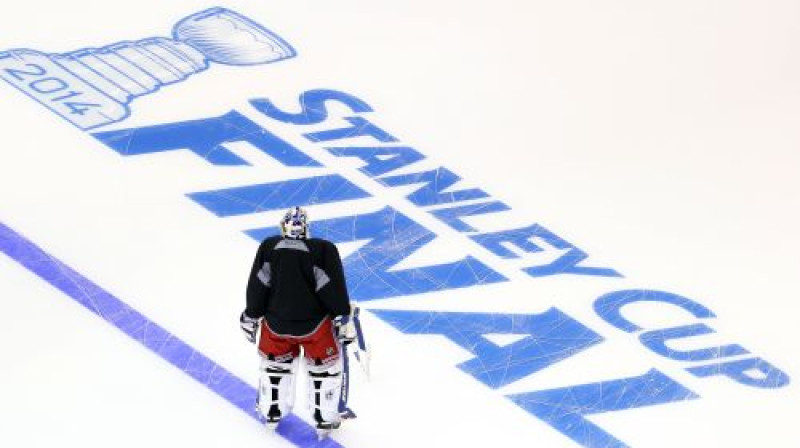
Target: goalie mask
[(295, 224)]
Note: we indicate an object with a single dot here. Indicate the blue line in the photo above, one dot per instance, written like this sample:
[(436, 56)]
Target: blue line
[(151, 335)]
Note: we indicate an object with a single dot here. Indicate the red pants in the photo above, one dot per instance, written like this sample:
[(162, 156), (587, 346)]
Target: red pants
[(320, 346)]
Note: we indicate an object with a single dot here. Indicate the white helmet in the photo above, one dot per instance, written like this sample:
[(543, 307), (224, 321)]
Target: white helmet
[(295, 224)]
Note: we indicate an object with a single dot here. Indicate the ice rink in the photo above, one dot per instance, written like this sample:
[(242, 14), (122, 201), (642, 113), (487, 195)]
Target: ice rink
[(567, 224)]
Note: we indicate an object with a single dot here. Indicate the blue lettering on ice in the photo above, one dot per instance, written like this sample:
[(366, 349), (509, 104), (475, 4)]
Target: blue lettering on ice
[(206, 138), (521, 238), (392, 237), (278, 195), (313, 109), (359, 127), (656, 340), (751, 372), (93, 87), (609, 306), (94, 97), (432, 192), (566, 408), (148, 333), (452, 216), (550, 337), (379, 160)]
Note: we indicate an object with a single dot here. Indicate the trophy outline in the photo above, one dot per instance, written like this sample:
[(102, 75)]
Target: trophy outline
[(93, 86)]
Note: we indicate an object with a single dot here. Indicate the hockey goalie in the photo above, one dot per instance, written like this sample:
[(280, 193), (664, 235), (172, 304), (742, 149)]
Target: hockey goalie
[(297, 299)]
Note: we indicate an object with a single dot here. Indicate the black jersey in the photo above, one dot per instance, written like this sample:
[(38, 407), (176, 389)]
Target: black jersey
[(295, 283)]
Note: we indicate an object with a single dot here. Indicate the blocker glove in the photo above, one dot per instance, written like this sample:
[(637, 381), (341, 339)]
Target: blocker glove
[(249, 327), (345, 330)]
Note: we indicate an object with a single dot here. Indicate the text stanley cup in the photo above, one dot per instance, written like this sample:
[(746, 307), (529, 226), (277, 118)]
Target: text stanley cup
[(92, 87)]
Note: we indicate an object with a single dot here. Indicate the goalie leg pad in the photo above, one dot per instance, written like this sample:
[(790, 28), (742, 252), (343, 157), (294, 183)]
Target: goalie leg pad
[(325, 388), (276, 388)]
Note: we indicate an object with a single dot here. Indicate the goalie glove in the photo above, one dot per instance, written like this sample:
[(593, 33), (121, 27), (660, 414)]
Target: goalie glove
[(249, 326), (345, 330)]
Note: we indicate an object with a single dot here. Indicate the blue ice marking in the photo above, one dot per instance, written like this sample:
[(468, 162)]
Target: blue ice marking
[(550, 337), (432, 192), (753, 372), (392, 237), (93, 87), (206, 138), (656, 340), (157, 339), (360, 127), (379, 160), (452, 216), (566, 408), (609, 306), (313, 105), (278, 195), (567, 263)]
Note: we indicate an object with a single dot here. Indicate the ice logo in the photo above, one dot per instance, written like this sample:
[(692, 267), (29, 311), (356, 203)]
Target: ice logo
[(92, 87)]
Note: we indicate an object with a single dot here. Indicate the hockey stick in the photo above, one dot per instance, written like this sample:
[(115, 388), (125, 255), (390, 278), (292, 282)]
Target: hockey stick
[(344, 411), (362, 353)]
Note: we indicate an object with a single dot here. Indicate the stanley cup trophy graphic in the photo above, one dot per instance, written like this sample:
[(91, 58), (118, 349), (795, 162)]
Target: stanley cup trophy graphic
[(92, 87)]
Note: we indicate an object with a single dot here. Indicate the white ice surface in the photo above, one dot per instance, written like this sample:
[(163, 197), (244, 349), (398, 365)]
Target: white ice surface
[(660, 137)]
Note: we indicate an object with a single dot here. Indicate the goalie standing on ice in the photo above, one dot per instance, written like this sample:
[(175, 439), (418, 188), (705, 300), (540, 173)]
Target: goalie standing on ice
[(297, 297)]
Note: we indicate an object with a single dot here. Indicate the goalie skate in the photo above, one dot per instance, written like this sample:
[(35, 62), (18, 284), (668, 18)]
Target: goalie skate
[(324, 429)]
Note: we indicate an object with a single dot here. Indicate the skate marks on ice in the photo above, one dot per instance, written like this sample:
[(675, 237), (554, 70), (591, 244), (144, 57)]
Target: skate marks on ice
[(150, 335), (350, 162)]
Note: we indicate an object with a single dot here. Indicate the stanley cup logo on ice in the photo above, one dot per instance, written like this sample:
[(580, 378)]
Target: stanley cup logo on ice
[(92, 87)]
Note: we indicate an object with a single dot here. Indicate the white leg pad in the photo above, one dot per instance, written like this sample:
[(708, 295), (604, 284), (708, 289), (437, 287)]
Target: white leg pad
[(276, 388), (324, 390)]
